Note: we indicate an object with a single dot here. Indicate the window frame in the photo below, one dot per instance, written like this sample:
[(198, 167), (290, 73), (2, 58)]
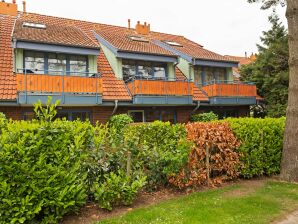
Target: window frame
[(46, 62), (153, 64), (138, 111)]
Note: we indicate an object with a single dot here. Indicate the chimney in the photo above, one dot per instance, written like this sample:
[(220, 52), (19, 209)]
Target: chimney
[(143, 29), (245, 54), (24, 6), (128, 23), (10, 9)]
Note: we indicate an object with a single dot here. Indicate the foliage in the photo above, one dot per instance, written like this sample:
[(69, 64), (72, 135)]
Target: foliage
[(158, 149), (117, 189), (117, 124), (269, 3), (270, 71), (213, 158), (42, 174), (204, 117), (3, 121), (262, 142), (48, 112)]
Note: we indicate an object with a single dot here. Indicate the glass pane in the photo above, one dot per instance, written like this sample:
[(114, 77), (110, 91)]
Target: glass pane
[(83, 116), (209, 75), (137, 116), (78, 65), (34, 62), (168, 116), (129, 72), (145, 72), (57, 64), (152, 115), (159, 72), (198, 75)]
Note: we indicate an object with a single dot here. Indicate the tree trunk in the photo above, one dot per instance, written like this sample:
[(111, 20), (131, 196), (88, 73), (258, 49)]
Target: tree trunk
[(289, 169)]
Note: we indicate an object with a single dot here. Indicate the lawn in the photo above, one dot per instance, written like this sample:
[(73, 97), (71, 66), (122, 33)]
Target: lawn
[(256, 202)]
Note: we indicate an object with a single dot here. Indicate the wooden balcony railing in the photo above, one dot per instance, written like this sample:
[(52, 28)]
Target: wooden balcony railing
[(160, 87), (230, 89), (43, 83)]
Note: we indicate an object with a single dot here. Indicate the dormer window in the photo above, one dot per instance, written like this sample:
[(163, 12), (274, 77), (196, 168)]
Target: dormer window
[(173, 43), (138, 38), (34, 25)]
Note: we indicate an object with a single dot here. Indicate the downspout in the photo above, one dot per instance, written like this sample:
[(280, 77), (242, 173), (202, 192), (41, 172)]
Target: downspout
[(196, 108), (115, 107)]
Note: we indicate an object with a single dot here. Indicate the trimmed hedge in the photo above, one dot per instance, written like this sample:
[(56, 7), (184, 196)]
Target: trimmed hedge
[(261, 144), (42, 174), (204, 117), (158, 149)]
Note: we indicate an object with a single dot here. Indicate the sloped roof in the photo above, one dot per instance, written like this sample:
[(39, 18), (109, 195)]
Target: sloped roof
[(53, 34), (7, 78), (113, 88)]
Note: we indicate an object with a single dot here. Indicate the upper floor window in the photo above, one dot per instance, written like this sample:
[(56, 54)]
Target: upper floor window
[(143, 70), (34, 62), (55, 64), (206, 75)]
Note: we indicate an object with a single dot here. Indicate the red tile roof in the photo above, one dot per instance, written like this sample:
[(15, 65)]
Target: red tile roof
[(189, 47), (113, 88), (119, 37), (7, 78), (179, 74), (53, 34)]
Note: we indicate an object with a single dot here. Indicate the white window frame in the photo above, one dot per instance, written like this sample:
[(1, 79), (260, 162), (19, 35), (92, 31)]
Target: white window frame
[(137, 111)]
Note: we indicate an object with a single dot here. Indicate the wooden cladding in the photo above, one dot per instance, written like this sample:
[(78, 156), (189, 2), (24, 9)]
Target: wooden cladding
[(58, 84), (160, 87), (230, 90)]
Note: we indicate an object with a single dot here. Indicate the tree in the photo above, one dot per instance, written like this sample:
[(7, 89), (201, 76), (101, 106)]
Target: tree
[(270, 71), (289, 168)]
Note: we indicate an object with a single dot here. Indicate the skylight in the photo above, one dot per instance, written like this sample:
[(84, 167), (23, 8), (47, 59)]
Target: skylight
[(137, 38), (173, 43), (34, 25)]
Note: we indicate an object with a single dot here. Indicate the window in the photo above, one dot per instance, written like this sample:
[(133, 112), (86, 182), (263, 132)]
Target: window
[(55, 64), (141, 69), (34, 25), (78, 65), (208, 75), (138, 38), (137, 115), (173, 43), (61, 114), (34, 62), (160, 115)]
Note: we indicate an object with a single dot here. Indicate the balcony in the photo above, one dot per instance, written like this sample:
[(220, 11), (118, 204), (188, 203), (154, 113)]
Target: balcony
[(161, 91), (231, 92), (75, 89)]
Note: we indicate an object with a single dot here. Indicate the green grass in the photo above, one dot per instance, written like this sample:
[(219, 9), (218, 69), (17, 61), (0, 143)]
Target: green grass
[(256, 204)]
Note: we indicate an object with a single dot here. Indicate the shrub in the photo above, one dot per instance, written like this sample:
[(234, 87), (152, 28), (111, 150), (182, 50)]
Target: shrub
[(213, 158), (42, 176), (158, 149), (261, 144), (116, 126), (204, 117), (117, 189)]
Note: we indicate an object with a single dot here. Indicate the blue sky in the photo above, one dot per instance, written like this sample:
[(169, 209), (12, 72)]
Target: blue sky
[(224, 26)]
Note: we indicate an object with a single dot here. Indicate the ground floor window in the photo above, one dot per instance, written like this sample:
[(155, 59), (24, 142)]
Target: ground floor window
[(151, 115), (138, 116), (70, 115)]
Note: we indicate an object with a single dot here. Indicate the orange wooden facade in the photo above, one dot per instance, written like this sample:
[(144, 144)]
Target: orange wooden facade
[(58, 84), (230, 90), (160, 87)]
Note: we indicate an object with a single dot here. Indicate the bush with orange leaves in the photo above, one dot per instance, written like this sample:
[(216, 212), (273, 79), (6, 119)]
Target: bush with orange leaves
[(213, 158)]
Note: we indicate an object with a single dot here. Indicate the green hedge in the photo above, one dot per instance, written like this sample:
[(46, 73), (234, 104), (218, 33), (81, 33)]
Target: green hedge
[(204, 117), (262, 143), (42, 174), (159, 149)]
